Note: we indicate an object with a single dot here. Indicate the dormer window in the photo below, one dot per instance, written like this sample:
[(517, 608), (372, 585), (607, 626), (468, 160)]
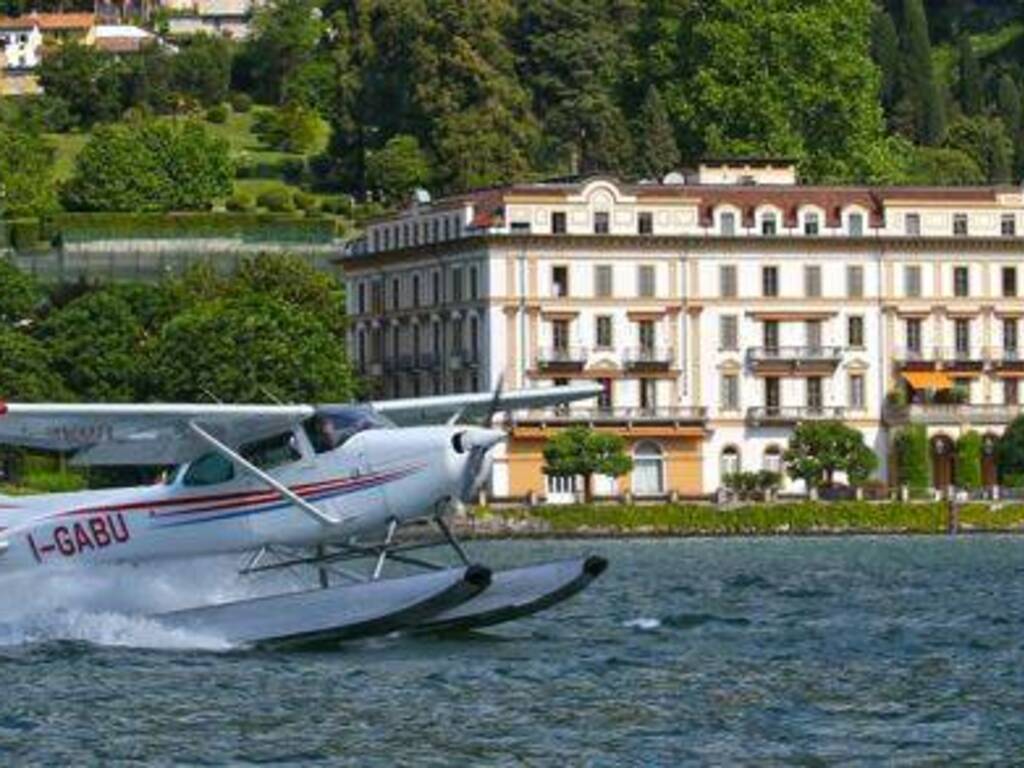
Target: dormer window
[(558, 223), (727, 223), (912, 224), (811, 224), (645, 223), (601, 223), (769, 225), (520, 227), (855, 224), (1008, 225)]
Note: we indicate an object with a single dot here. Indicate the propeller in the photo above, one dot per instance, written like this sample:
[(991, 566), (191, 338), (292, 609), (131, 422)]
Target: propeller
[(480, 443)]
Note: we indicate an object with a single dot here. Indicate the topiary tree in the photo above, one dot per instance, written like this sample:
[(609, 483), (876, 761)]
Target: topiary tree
[(1010, 454), (968, 461), (819, 449), (913, 467), (581, 451)]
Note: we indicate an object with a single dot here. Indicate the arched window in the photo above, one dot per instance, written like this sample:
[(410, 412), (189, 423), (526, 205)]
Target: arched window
[(773, 459), (648, 469), (730, 460)]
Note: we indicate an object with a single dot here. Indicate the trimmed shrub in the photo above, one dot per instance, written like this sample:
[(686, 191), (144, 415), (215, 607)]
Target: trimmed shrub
[(240, 202), (250, 226), (24, 233), (306, 202), (276, 201), (337, 205), (913, 466), (218, 113), (968, 461), (241, 102)]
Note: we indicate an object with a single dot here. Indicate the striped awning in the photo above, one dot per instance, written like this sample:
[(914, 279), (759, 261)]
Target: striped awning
[(928, 379)]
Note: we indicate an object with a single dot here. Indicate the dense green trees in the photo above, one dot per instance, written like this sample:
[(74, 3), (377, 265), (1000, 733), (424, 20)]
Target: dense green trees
[(912, 463), (819, 449), (273, 331), (26, 173), (150, 166), (398, 168)]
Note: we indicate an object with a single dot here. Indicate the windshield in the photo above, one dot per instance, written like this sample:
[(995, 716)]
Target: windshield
[(332, 426)]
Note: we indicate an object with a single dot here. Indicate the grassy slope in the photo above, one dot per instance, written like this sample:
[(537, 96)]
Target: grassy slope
[(237, 131)]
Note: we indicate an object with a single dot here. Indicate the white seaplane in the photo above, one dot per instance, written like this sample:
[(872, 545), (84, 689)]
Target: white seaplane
[(290, 486)]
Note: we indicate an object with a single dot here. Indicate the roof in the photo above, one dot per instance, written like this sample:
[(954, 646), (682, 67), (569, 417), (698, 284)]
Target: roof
[(49, 21), (123, 38)]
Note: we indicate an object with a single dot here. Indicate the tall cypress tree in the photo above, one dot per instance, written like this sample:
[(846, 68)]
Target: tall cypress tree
[(885, 50), (969, 89), (658, 153), (1008, 100), (920, 84)]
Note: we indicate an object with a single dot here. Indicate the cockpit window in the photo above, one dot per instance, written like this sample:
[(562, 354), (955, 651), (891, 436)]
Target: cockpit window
[(272, 451), (210, 469), (330, 428)]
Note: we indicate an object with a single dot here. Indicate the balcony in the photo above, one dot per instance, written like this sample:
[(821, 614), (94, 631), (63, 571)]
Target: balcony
[(674, 416), (562, 358), (952, 413), (952, 358), (648, 358), (464, 357), (407, 363), (427, 361), (1005, 358), (785, 415), (783, 360)]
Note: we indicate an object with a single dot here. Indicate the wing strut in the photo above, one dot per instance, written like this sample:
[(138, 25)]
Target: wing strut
[(294, 498)]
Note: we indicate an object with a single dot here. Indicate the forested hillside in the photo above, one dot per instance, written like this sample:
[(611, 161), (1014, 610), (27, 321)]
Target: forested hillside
[(452, 94)]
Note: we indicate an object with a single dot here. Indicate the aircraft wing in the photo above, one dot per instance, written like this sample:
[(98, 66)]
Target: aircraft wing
[(440, 408), (139, 434)]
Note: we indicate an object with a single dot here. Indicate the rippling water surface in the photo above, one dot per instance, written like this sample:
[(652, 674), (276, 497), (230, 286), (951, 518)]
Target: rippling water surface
[(741, 651)]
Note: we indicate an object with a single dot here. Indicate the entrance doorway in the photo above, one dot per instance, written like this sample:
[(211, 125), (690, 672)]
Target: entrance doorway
[(943, 457)]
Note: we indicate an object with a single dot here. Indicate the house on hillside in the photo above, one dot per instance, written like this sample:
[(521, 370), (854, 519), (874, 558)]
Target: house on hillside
[(24, 38), (226, 18)]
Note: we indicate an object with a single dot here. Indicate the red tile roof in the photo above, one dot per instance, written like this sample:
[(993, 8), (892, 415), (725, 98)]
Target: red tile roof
[(49, 21)]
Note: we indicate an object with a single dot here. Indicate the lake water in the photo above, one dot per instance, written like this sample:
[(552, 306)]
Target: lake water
[(740, 651)]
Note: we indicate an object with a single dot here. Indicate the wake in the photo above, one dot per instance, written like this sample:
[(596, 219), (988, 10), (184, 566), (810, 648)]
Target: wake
[(111, 605)]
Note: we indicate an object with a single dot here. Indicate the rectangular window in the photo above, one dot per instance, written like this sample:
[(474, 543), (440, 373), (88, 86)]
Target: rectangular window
[(559, 282), (647, 335), (1011, 392), (814, 397), (436, 281), (854, 282), (457, 284), (474, 283), (601, 222), (727, 223), (855, 331), (396, 293), (960, 281), (727, 281), (1008, 225), (812, 334), (768, 224), (416, 299), (645, 223), (769, 281), (912, 281), (728, 332), (520, 227), (558, 223), (730, 392), (959, 224), (603, 280), (856, 224), (772, 394), (1010, 337), (645, 280), (1009, 279), (560, 334), (962, 336), (912, 224), (811, 224), (857, 392), (604, 400), (812, 281), (913, 330), (361, 299), (771, 335), (603, 335)]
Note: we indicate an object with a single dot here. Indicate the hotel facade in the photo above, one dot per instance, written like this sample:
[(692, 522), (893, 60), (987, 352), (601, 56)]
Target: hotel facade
[(717, 310)]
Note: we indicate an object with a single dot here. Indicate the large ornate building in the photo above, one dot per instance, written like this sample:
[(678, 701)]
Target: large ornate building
[(717, 310)]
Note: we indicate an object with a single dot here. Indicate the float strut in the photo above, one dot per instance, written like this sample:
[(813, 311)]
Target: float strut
[(452, 540), (321, 554), (392, 527)]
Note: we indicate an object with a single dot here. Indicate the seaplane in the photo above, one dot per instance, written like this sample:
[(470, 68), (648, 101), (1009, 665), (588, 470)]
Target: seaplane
[(351, 495)]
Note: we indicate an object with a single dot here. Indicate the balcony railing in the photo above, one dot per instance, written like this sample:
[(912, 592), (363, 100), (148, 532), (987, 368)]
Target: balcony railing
[(561, 357), (620, 415), (649, 357), (464, 357), (952, 413), (944, 355), (805, 354), (793, 414), (426, 361)]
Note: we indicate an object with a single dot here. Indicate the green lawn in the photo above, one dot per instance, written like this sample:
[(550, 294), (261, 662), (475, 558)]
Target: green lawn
[(238, 133)]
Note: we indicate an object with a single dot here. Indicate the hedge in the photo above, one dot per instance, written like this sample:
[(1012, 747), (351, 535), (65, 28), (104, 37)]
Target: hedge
[(968, 461), (912, 457), (773, 519), (251, 227)]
